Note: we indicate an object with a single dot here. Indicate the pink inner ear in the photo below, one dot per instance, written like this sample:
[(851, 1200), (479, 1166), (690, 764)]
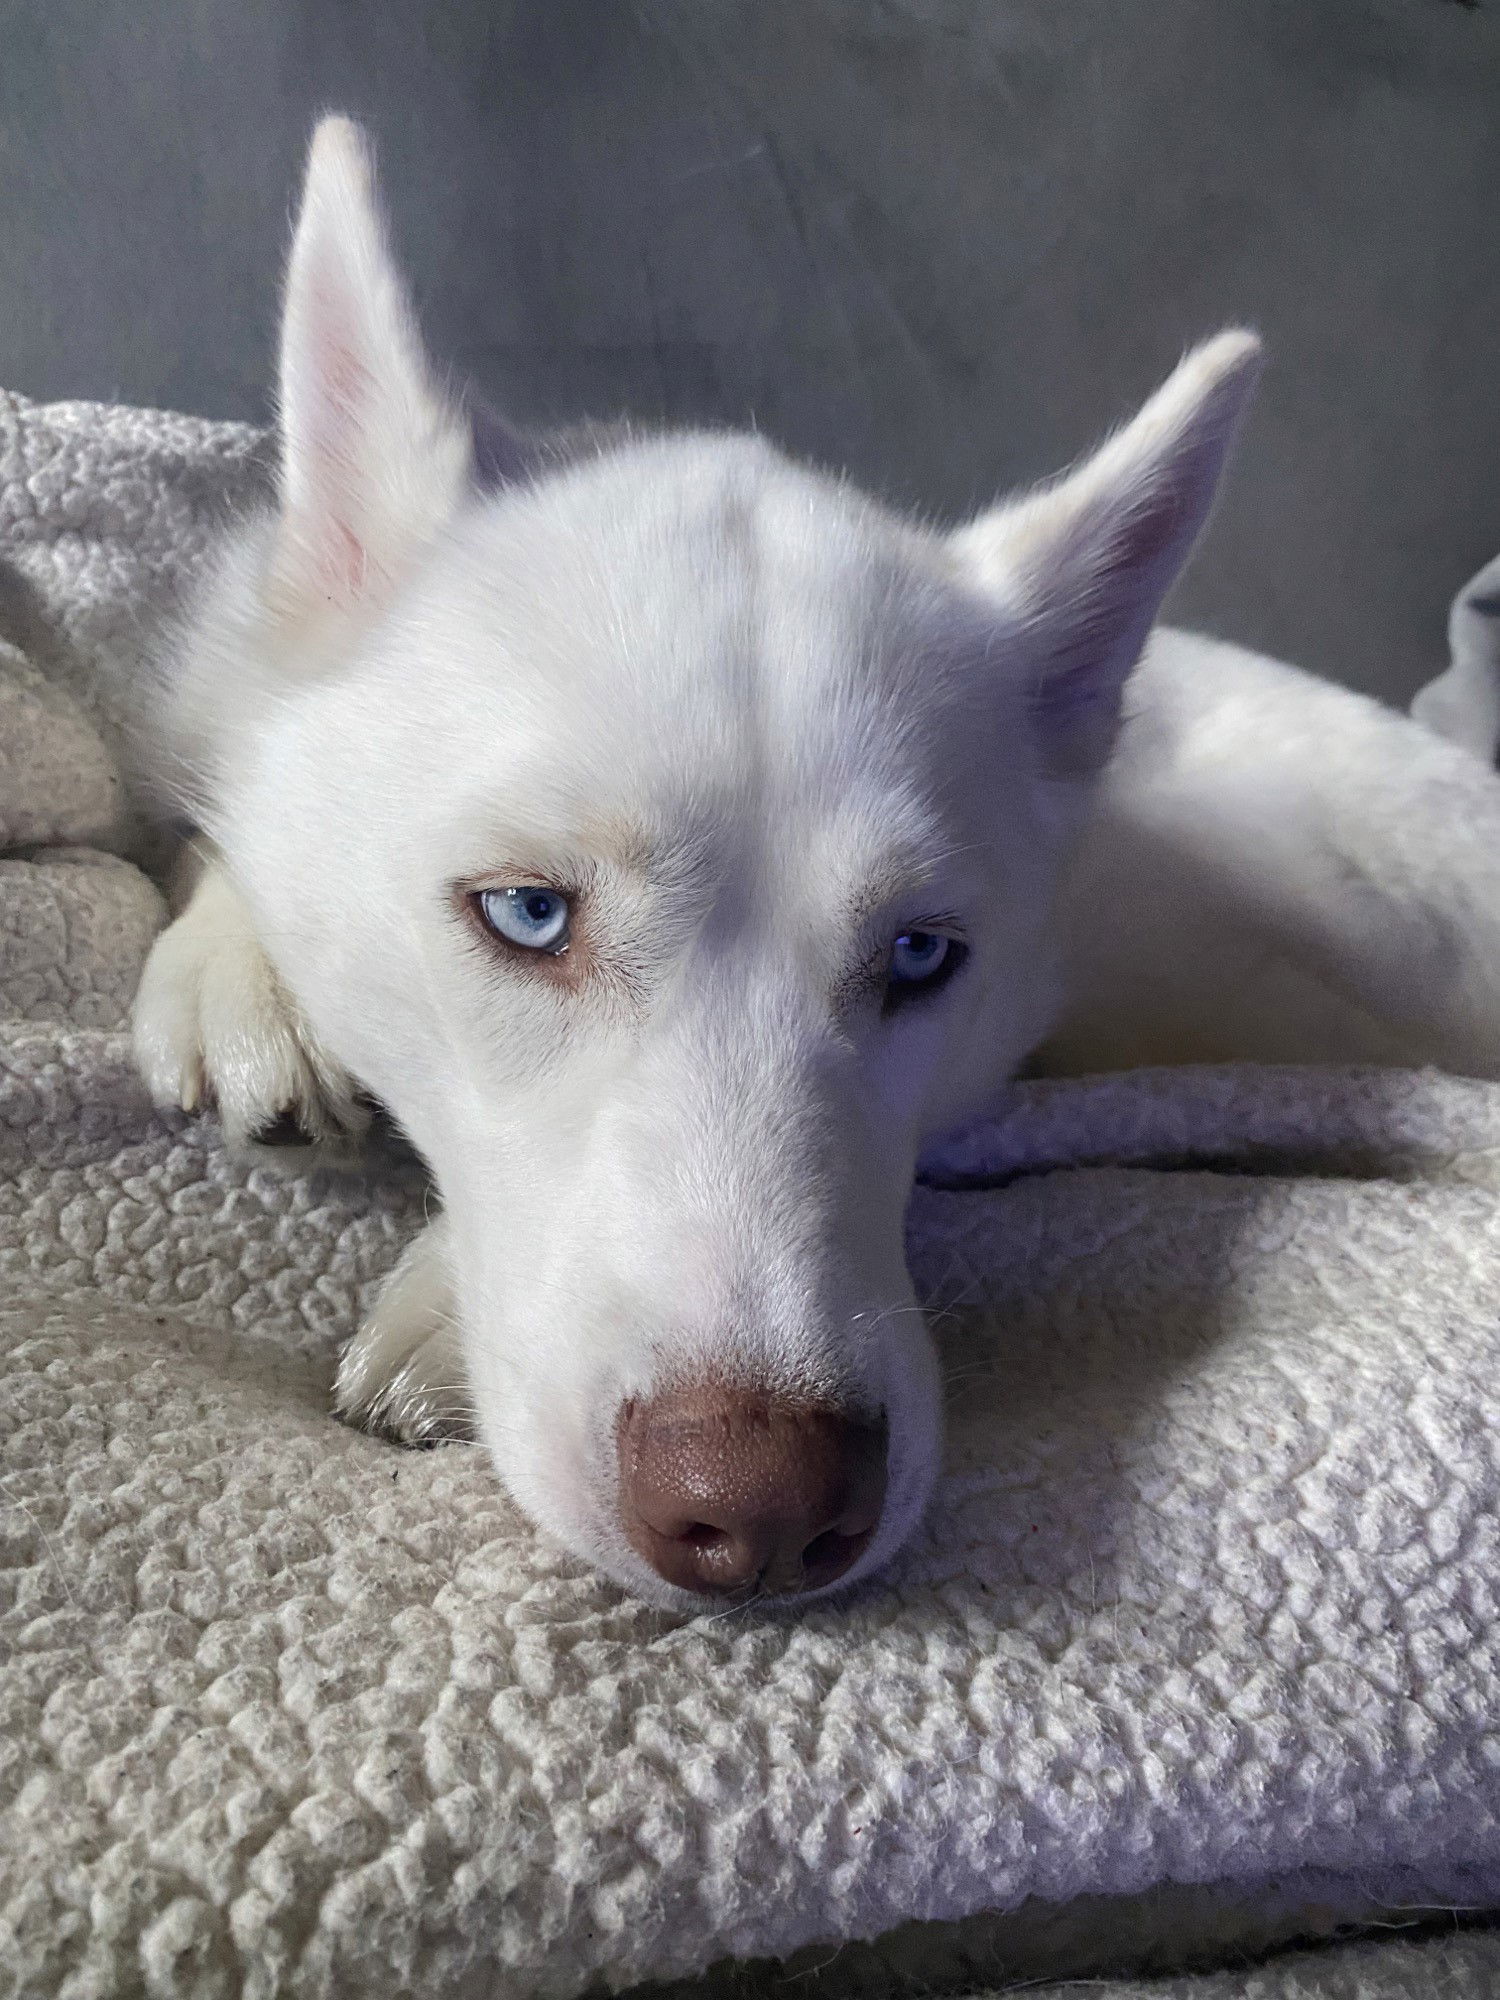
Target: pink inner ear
[(347, 566), (342, 393), (1077, 708), (1103, 602), (1160, 522)]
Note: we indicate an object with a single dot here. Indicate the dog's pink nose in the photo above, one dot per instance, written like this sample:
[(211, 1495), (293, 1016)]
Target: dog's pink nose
[(722, 1490)]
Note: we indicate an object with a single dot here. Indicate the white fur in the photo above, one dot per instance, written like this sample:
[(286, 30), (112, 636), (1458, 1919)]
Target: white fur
[(756, 726)]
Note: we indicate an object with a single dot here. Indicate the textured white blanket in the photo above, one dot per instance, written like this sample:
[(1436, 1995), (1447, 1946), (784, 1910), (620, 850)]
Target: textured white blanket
[(1199, 1644)]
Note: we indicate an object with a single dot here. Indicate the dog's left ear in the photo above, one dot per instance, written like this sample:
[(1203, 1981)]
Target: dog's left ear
[(374, 457), (1084, 563)]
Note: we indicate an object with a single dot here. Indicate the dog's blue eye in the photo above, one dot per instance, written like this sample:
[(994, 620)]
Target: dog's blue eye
[(535, 919), (921, 964), (918, 956)]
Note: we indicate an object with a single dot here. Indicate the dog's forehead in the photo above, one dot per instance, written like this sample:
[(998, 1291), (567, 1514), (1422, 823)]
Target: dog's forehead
[(691, 649), (702, 601)]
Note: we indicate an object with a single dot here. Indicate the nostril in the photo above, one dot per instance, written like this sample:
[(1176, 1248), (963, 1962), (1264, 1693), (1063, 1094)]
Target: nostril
[(699, 1535), (739, 1561)]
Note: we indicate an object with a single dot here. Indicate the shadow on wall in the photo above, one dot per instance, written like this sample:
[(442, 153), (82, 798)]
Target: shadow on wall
[(945, 242)]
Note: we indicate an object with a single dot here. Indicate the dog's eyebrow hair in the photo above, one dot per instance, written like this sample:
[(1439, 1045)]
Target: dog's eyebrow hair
[(896, 875), (626, 843), (618, 842)]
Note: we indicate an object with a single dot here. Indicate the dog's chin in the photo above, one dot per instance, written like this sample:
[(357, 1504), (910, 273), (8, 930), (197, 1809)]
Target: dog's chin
[(623, 1567), (554, 1469), (551, 1504)]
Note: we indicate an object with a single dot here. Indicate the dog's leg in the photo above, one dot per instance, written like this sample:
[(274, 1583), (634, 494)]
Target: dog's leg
[(213, 1025), (402, 1375)]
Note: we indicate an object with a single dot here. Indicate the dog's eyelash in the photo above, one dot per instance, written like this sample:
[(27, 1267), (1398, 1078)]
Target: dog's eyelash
[(947, 922)]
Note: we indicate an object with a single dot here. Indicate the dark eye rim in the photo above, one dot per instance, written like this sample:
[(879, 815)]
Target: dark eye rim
[(477, 901), (903, 993), (526, 889)]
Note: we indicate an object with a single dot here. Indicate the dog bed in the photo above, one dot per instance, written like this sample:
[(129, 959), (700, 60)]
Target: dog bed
[(1197, 1651)]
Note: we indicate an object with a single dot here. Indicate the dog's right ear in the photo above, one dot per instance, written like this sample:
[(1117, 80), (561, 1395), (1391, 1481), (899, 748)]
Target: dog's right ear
[(1084, 562), (374, 457)]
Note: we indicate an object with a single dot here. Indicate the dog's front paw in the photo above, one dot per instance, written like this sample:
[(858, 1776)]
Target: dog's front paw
[(214, 1026), (402, 1376)]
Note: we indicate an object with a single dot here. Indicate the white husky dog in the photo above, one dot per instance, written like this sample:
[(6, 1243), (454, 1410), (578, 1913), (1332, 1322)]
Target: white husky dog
[(675, 840)]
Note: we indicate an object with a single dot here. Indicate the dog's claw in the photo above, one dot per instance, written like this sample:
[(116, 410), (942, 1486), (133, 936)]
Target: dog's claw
[(285, 1130), (190, 1089)]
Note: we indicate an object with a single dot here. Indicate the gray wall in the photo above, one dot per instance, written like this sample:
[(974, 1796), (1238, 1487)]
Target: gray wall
[(944, 242)]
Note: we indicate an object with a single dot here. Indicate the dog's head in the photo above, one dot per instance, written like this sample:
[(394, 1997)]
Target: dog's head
[(668, 833)]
